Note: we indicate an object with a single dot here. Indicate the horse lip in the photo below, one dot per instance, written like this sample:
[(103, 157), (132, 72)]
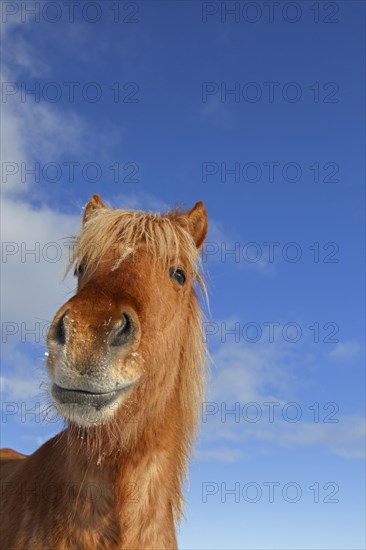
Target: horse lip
[(88, 398)]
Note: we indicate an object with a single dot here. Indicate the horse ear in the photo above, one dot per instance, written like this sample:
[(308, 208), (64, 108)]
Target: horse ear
[(198, 223), (95, 203)]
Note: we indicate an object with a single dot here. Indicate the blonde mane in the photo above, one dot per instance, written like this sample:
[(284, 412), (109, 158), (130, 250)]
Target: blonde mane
[(165, 236)]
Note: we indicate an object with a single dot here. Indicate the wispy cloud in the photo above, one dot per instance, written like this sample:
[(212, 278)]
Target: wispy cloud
[(22, 378), (221, 454), (345, 351), (16, 388), (247, 382), (29, 292), (216, 113)]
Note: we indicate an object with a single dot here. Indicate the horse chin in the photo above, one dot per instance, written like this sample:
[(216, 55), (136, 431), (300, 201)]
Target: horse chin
[(87, 410)]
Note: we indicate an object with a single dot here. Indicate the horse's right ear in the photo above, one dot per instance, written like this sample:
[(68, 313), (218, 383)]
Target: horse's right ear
[(95, 203)]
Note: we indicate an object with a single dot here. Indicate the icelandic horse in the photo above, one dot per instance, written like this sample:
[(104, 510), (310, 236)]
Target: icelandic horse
[(126, 364)]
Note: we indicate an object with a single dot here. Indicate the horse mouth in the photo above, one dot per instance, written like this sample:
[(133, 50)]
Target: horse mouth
[(84, 398)]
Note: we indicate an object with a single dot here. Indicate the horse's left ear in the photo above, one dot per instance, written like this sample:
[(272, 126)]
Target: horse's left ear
[(95, 203), (198, 223)]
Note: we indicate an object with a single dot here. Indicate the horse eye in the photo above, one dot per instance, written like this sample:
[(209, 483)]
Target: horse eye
[(79, 270), (178, 275)]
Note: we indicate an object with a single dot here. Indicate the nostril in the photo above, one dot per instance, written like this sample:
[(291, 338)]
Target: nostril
[(123, 333), (59, 333)]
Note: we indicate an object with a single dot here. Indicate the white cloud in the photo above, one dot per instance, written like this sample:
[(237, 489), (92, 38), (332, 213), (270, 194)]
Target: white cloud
[(17, 389), (31, 283), (42, 131), (247, 383), (21, 55), (232, 250), (251, 372), (31, 291), (213, 111), (34, 131), (221, 454), (345, 438), (22, 378), (140, 201), (345, 351), (37, 132)]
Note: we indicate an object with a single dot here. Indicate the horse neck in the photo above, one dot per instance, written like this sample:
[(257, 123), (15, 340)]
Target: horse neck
[(148, 483), (140, 484)]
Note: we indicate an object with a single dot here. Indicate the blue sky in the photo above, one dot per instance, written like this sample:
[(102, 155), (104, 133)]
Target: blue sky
[(264, 122)]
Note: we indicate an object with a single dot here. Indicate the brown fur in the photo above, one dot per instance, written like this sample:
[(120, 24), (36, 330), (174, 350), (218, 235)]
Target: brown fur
[(118, 484)]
